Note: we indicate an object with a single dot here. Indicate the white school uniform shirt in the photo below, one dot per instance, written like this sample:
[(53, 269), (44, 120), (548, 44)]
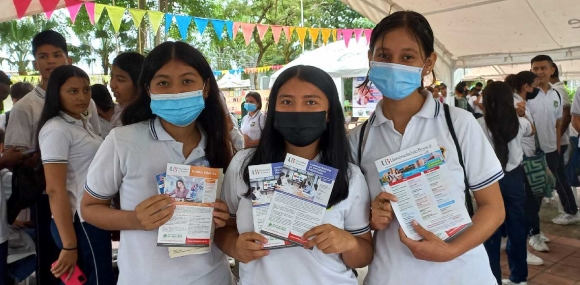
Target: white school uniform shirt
[(127, 163), (559, 86), (516, 153), (475, 107), (297, 265), (575, 111), (546, 109), (24, 116), (64, 139), (252, 125), (393, 262), (107, 126), (528, 142)]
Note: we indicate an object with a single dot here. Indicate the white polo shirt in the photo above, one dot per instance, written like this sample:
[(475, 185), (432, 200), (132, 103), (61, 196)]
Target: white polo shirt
[(516, 153), (475, 107), (559, 86), (127, 163), (575, 111), (393, 262), (252, 125), (297, 265), (546, 109), (528, 142), (107, 126), (64, 139), (24, 116)]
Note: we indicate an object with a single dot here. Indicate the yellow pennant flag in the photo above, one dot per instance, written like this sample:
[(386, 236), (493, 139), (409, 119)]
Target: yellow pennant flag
[(116, 16), (301, 31), (314, 34), (137, 15), (334, 35), (155, 18), (98, 11), (326, 35)]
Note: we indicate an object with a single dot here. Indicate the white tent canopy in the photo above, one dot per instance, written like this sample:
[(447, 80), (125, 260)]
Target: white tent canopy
[(8, 11), (488, 33), (230, 81)]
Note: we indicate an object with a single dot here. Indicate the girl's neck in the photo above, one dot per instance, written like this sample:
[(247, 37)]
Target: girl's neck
[(74, 115), (253, 113), (401, 111), (523, 94), (309, 152), (185, 135)]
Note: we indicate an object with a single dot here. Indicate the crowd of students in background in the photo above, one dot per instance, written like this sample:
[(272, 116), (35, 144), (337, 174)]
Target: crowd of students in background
[(100, 158)]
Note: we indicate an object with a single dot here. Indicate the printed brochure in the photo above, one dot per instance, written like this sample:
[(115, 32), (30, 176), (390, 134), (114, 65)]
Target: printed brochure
[(300, 201), (418, 177)]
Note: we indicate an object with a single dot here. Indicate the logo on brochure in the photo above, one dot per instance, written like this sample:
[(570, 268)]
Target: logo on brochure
[(179, 170), (260, 171)]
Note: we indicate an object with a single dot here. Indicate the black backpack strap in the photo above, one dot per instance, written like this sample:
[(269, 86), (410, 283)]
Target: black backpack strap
[(361, 141), (559, 96), (468, 202), (7, 118)]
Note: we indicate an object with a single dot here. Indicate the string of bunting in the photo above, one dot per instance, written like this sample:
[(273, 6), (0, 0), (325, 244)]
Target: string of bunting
[(116, 14)]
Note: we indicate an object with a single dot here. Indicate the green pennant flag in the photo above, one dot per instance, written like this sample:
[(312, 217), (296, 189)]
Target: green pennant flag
[(137, 15), (155, 18), (116, 16)]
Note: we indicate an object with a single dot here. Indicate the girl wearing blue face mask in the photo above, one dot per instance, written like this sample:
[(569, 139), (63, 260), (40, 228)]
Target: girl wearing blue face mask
[(401, 54), (254, 121), (178, 117)]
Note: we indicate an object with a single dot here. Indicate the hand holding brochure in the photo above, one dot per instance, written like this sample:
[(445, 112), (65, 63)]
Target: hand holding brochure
[(417, 177), (194, 188), (300, 201), (264, 179)]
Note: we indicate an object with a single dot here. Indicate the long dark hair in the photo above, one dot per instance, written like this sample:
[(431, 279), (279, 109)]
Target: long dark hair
[(334, 147), (523, 78), (500, 118), (52, 105), (212, 119), (415, 23)]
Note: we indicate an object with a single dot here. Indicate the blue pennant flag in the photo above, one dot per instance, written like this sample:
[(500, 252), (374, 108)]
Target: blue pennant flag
[(168, 21), (183, 24), (218, 26), (230, 29), (201, 24)]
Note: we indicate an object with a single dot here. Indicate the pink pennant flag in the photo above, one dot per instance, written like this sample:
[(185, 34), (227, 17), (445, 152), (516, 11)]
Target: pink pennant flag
[(235, 29), (368, 35), (347, 35), (286, 30), (21, 7), (357, 34), (48, 7), (262, 29), (248, 29), (276, 31), (338, 34), (90, 7), (73, 6)]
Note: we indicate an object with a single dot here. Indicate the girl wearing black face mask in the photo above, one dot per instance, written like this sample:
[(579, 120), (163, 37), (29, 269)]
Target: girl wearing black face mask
[(305, 119)]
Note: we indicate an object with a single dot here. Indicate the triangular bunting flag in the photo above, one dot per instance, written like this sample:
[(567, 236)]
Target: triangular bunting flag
[(21, 7), (286, 30), (313, 34), (335, 34), (357, 34), (248, 29), (262, 29), (326, 35), (301, 31), (201, 24), (235, 29), (276, 31), (338, 34), (48, 6), (368, 33), (73, 7), (347, 35), (230, 29), (137, 15), (183, 23), (155, 18), (218, 27), (168, 22), (98, 11), (116, 16), (292, 30), (90, 7)]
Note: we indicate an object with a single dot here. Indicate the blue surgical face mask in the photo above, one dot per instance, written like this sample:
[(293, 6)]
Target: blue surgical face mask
[(395, 81), (250, 107), (180, 109)]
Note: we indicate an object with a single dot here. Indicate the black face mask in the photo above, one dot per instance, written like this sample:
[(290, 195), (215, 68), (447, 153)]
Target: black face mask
[(533, 94), (300, 128)]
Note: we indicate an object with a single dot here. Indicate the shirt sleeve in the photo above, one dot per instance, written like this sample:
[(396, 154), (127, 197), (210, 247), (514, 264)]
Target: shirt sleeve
[(234, 184), (94, 119), (104, 177), (262, 120), (19, 130), (525, 127), (237, 139), (54, 144), (358, 215), (576, 104), (481, 164)]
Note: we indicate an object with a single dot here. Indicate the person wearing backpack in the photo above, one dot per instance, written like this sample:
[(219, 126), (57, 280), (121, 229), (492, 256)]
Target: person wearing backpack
[(402, 51)]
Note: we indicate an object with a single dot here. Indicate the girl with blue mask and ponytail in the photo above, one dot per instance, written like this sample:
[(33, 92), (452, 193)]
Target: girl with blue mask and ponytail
[(177, 117), (253, 123), (401, 54)]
